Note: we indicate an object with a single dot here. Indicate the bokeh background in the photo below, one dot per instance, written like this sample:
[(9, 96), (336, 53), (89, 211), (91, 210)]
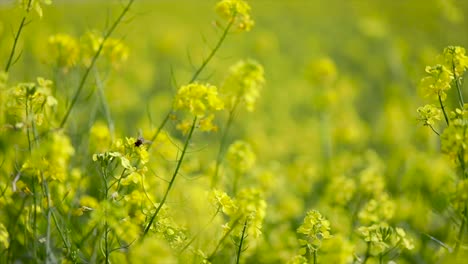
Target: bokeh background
[(341, 95)]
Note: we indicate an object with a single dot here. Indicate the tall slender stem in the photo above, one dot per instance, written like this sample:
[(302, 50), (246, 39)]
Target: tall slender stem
[(239, 250), (213, 51), (199, 232), (366, 257), (222, 145), (174, 175), (18, 33), (197, 73), (93, 61), (457, 84), (223, 238)]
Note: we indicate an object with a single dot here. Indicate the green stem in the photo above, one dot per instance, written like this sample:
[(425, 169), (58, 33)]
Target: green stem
[(62, 236), (222, 239), (199, 232), (48, 251), (461, 159), (104, 104), (443, 110), (106, 224), (93, 61), (213, 51), (239, 250), (34, 224), (18, 33), (366, 257), (461, 231), (174, 175), (195, 76), (457, 84), (161, 126), (315, 256), (219, 157)]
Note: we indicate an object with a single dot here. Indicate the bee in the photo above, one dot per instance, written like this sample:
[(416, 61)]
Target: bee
[(140, 140)]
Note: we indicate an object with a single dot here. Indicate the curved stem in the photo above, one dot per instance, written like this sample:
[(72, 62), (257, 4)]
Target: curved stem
[(223, 238), (93, 61), (199, 232), (174, 175), (213, 51), (18, 33), (219, 157), (161, 126), (197, 73)]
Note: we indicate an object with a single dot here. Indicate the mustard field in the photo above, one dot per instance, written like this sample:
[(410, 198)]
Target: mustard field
[(233, 131)]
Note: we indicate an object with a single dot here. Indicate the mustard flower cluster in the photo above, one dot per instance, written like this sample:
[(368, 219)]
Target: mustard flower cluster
[(322, 71), (236, 12), (454, 58), (429, 114), (114, 50), (459, 195), (200, 101), (453, 138), (128, 154), (438, 82), (316, 229), (382, 239), (378, 210), (52, 160), (68, 51), (244, 83), (240, 156), (65, 49), (28, 104), (248, 205)]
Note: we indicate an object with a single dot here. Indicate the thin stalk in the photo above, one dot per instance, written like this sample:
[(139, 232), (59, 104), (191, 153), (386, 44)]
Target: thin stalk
[(106, 224), (315, 256), (222, 145), (195, 75), (213, 51), (443, 110), (174, 175), (457, 84), (18, 33), (461, 159), (366, 257), (223, 238), (93, 61), (34, 220), (104, 104), (461, 231), (48, 251), (199, 232), (239, 250), (34, 224), (161, 126), (62, 236)]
